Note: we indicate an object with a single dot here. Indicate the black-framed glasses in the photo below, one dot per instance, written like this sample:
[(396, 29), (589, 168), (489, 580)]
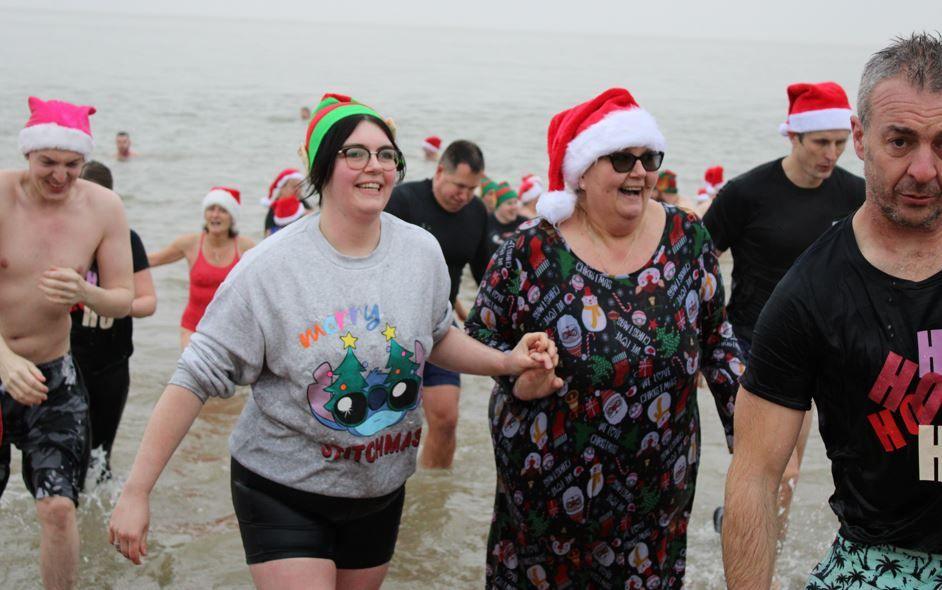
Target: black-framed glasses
[(625, 161), (357, 157)]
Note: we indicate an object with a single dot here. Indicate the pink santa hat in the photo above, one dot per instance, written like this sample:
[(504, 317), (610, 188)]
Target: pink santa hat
[(816, 107), (59, 125), (579, 136), (287, 209), (228, 198), (283, 177)]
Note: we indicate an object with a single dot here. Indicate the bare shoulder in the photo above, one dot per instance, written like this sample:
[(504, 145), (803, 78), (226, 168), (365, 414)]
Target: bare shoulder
[(9, 180), (245, 243), (99, 197)]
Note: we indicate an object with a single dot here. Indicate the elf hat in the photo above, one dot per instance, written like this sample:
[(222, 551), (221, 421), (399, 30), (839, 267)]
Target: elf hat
[(332, 109), (816, 107), (579, 136), (530, 188), (228, 198), (504, 194), (287, 209), (432, 144), (283, 177), (488, 185), (55, 124), (667, 182)]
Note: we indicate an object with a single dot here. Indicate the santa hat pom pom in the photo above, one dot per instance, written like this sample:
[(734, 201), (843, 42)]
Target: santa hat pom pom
[(556, 206), (783, 129)]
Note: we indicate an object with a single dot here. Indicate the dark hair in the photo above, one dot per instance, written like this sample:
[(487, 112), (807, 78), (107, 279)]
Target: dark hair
[(326, 157), (96, 172), (460, 152), (122, 134)]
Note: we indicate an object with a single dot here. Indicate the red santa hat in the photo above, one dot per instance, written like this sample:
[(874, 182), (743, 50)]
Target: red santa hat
[(59, 125), (432, 144), (530, 188), (816, 107), (283, 177), (287, 209), (579, 136), (712, 183), (228, 198)]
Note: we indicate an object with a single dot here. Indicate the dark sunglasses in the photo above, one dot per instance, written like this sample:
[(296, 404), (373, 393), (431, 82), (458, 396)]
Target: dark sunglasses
[(625, 161)]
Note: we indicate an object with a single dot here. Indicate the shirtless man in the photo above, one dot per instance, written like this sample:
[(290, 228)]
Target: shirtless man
[(122, 142), (52, 226)]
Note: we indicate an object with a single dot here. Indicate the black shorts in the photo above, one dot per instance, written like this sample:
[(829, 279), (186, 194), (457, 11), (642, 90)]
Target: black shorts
[(53, 436), (278, 522)]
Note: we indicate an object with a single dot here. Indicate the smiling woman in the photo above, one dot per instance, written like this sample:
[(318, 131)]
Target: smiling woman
[(330, 433), (630, 289), (210, 254)]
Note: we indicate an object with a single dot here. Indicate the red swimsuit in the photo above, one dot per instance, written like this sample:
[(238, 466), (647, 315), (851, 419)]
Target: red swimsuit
[(204, 280)]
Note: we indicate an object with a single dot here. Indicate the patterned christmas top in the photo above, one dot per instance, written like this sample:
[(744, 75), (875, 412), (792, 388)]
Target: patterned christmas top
[(595, 484)]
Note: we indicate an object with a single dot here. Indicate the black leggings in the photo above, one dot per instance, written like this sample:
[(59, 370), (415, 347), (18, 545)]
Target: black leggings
[(107, 395)]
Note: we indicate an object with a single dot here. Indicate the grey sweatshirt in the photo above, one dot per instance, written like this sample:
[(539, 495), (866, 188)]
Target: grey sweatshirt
[(334, 348)]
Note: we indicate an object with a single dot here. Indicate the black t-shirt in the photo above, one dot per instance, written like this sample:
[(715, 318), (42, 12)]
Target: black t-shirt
[(462, 235), (864, 346), (497, 232), (767, 222), (97, 341)]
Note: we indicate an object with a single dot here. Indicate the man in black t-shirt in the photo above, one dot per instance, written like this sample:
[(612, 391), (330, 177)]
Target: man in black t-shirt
[(856, 327), (768, 216), (445, 206), (102, 346)]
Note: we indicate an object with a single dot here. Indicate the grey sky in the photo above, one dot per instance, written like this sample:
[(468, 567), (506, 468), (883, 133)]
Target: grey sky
[(841, 21)]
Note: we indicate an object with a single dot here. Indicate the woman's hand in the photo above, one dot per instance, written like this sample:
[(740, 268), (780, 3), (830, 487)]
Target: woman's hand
[(534, 350), (536, 384), (127, 530)]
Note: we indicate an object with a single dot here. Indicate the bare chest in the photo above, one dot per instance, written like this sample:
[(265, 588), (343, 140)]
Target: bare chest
[(31, 243)]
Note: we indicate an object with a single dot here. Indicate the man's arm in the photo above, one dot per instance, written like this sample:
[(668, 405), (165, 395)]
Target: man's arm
[(115, 291), (765, 436), (66, 286)]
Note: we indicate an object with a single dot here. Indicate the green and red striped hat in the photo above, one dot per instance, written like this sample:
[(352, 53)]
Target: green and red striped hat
[(487, 185), (332, 109), (504, 194)]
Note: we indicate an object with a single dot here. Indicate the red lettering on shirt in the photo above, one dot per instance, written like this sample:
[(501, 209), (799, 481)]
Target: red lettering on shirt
[(893, 381), (885, 427)]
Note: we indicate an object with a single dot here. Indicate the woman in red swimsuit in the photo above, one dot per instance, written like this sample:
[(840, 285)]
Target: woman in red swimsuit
[(211, 254)]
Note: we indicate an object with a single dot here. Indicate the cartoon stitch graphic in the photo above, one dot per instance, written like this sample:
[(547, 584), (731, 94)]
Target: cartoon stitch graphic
[(343, 399)]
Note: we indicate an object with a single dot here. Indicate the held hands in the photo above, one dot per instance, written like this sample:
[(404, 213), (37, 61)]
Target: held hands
[(22, 380), (127, 530), (64, 286), (537, 375)]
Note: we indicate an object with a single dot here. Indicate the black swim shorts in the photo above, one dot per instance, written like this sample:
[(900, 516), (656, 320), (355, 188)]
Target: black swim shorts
[(278, 522), (53, 436)]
